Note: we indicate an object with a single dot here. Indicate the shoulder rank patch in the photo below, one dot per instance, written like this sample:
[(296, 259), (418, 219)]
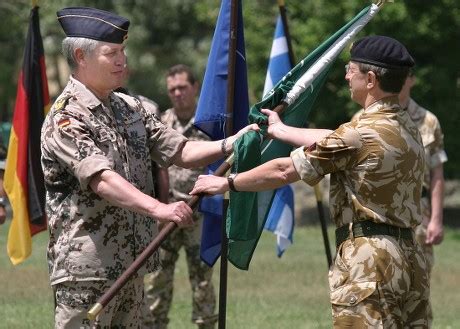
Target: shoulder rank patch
[(61, 103)]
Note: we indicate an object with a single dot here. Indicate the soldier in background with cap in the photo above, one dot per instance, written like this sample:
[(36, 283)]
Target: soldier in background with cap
[(376, 163), (97, 149)]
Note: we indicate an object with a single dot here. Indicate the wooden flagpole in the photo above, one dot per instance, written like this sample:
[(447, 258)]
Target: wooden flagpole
[(228, 131)]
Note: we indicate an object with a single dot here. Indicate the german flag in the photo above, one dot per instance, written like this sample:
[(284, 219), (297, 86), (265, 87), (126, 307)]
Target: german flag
[(23, 179)]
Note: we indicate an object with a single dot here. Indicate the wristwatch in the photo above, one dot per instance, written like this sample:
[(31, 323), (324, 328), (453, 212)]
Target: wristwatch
[(2, 202), (231, 183)]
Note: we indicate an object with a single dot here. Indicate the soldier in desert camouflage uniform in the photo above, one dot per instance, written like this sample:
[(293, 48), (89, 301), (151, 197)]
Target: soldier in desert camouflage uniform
[(430, 231), (97, 150), (182, 90), (376, 164)]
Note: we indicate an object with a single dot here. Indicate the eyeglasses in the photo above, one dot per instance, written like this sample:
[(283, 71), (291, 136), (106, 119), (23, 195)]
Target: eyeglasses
[(348, 69)]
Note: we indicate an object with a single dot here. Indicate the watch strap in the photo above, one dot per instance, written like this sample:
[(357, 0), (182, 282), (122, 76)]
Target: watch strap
[(231, 182)]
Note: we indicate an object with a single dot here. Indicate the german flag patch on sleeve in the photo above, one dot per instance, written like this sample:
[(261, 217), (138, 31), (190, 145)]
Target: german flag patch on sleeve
[(63, 122)]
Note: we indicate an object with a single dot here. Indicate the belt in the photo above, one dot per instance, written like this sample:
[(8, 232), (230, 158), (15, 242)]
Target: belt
[(370, 228)]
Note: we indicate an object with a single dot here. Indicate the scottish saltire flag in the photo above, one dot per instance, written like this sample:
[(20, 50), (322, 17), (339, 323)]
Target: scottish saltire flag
[(298, 90), (279, 64), (23, 179), (280, 219), (211, 115)]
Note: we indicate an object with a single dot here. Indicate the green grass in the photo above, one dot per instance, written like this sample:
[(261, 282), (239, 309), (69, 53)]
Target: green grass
[(290, 292)]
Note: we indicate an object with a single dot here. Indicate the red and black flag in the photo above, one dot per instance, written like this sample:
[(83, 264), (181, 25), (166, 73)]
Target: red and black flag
[(23, 179)]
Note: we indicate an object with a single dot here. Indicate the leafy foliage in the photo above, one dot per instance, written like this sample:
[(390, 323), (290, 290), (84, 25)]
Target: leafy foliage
[(164, 33)]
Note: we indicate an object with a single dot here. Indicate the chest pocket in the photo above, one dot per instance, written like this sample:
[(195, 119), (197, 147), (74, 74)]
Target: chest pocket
[(106, 141), (136, 134), (105, 135)]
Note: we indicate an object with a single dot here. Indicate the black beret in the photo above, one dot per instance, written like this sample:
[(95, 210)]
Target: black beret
[(94, 24), (381, 51)]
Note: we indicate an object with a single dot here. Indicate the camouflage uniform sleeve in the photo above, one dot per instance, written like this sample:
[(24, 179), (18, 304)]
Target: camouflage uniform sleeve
[(164, 142), (72, 143), (357, 115), (336, 152), (437, 154)]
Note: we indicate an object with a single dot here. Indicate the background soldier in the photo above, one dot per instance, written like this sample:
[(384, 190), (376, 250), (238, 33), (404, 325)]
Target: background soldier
[(376, 164), (182, 90), (3, 199), (97, 150), (430, 231)]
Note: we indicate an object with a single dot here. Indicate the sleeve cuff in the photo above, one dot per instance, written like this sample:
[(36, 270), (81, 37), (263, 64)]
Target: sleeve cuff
[(90, 166), (438, 158), (304, 168)]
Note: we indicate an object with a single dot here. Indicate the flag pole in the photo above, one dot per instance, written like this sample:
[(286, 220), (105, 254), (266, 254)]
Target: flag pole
[(228, 131), (282, 8), (322, 219)]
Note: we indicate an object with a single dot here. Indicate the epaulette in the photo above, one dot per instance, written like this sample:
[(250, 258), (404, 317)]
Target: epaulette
[(131, 100), (61, 103)]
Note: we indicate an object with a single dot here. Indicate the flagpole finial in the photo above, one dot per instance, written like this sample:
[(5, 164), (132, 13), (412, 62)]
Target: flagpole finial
[(34, 3), (380, 3), (281, 3)]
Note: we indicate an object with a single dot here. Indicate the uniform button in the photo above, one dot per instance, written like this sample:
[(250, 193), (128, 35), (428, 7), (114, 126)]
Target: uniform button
[(353, 300)]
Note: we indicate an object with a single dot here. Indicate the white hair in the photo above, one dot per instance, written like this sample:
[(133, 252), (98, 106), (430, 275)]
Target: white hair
[(70, 44)]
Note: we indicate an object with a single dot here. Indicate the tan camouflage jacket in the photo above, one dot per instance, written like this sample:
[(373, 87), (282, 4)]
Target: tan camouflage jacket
[(89, 238), (432, 138), (181, 181), (376, 164)]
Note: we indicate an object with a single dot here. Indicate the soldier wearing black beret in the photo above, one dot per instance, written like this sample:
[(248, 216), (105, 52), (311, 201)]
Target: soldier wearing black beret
[(97, 152), (376, 163)]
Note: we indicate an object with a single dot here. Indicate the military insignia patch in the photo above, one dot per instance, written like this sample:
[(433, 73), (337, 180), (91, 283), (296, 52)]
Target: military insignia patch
[(61, 103)]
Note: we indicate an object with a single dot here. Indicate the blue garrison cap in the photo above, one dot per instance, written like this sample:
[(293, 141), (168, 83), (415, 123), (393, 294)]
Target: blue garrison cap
[(381, 51), (94, 24)]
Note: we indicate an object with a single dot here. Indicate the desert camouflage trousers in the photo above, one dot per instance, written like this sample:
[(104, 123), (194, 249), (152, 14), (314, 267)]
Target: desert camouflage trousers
[(159, 285), (379, 282), (73, 299), (420, 236)]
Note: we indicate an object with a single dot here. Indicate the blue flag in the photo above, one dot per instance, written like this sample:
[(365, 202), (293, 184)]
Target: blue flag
[(211, 115), (280, 219)]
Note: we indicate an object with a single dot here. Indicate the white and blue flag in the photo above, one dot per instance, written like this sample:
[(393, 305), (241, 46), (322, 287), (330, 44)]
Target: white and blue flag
[(280, 219), (279, 63)]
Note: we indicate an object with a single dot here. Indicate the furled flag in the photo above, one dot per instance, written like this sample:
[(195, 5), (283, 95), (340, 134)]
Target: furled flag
[(298, 89), (280, 219), (23, 175), (211, 115)]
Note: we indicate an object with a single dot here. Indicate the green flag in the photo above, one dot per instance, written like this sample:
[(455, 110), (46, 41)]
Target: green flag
[(299, 89)]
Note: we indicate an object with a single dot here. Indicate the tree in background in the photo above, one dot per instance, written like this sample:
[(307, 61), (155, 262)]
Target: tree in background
[(166, 32)]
